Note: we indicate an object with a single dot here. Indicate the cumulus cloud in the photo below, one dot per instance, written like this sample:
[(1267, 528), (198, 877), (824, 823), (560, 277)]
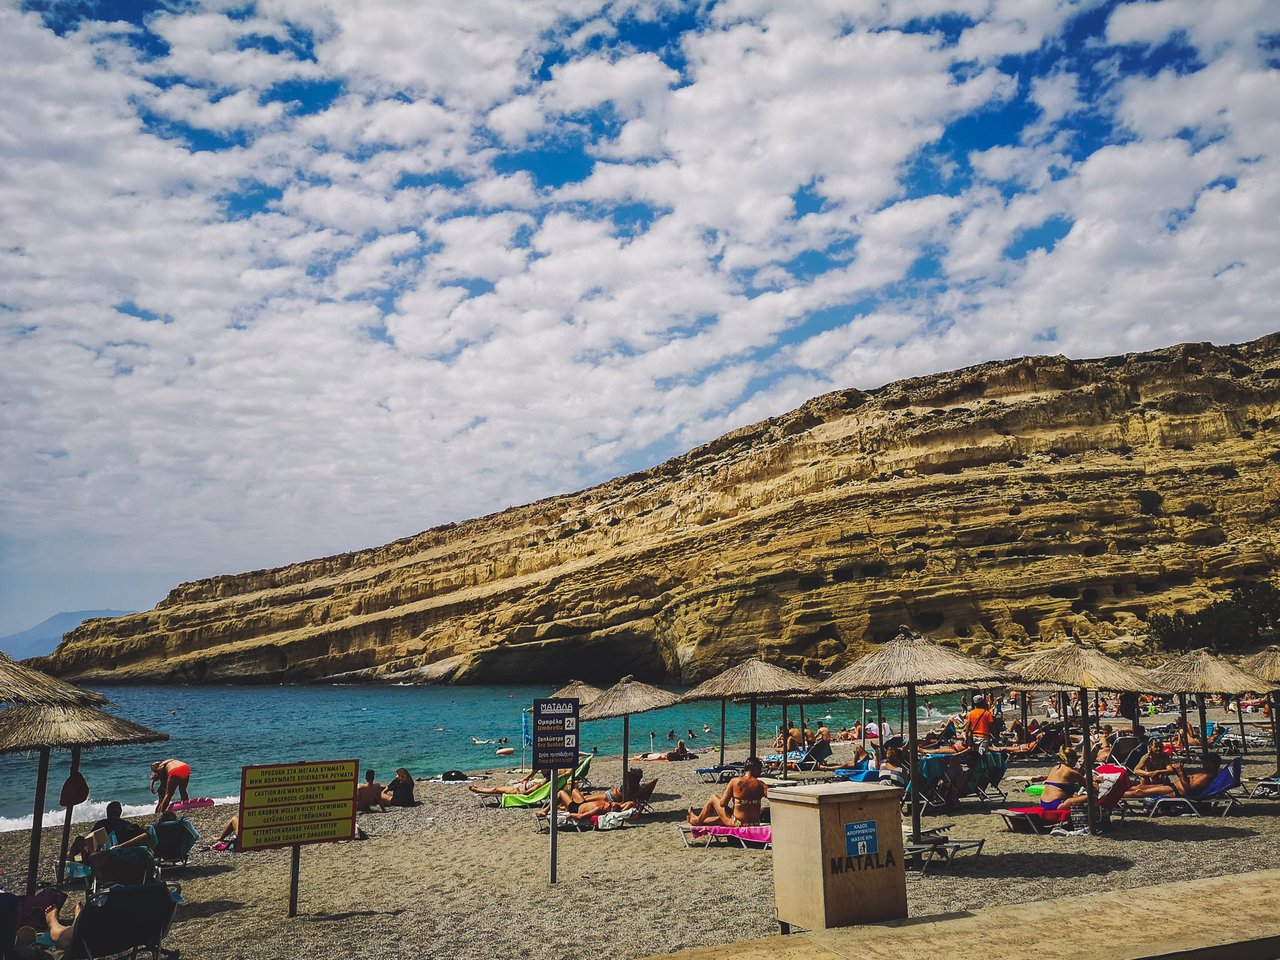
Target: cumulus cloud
[(296, 278)]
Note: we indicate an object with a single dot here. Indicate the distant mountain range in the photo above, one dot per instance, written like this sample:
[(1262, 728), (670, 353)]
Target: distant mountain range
[(44, 637)]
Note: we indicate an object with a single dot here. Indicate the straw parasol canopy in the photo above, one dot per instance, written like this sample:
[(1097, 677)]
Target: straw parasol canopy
[(624, 698), (584, 693), (755, 681), (31, 727), (1082, 666), (1200, 672), (911, 661), (1267, 666), (21, 684), (1085, 668)]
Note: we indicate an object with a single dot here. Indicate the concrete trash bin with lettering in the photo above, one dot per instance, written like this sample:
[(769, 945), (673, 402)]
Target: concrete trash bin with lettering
[(837, 855)]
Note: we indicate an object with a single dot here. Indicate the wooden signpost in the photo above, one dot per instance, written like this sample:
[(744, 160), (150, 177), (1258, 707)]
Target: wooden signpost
[(289, 804)]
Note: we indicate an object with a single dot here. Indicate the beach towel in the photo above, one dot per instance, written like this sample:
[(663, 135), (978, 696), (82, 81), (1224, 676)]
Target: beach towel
[(756, 834)]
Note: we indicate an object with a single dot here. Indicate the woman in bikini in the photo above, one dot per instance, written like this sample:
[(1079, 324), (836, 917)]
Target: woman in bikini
[(166, 777), (1154, 765), (1061, 787), (744, 793)]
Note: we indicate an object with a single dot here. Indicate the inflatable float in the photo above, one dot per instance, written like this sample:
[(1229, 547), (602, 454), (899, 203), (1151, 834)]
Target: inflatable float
[(505, 751), (192, 804)]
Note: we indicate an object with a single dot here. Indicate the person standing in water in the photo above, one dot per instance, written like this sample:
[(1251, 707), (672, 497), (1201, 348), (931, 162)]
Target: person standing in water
[(166, 777)]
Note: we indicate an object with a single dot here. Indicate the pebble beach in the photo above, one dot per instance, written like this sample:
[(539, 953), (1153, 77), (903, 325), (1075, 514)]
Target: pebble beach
[(453, 878)]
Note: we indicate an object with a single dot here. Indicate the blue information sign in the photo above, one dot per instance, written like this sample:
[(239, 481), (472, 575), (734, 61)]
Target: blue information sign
[(555, 734), (861, 838)]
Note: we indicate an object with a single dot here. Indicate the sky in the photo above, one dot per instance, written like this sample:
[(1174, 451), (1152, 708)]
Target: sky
[(289, 278)]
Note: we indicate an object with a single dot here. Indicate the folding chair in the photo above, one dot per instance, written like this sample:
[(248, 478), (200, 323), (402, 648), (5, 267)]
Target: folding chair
[(124, 919)]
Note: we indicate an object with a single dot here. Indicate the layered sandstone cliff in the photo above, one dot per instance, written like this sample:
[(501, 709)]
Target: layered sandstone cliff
[(1027, 498)]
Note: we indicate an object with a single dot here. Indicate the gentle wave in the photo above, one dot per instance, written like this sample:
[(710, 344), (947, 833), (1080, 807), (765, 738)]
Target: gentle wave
[(89, 812)]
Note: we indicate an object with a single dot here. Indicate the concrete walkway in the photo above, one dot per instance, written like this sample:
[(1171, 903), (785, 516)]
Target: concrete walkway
[(1235, 917)]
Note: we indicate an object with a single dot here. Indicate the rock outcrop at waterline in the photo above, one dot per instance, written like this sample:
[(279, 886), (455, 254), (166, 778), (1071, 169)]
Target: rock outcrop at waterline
[(1027, 498)]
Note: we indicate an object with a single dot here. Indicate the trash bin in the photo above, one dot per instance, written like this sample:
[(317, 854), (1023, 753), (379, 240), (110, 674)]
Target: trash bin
[(837, 855)]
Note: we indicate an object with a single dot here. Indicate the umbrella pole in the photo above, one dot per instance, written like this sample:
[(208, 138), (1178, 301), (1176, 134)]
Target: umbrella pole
[(1204, 728), (37, 821), (880, 720), (902, 707), (626, 740), (862, 725), (1244, 743), (753, 727), (802, 726), (1091, 792), (1275, 728), (786, 740), (1182, 712), (1022, 699), (66, 824), (723, 707), (914, 780)]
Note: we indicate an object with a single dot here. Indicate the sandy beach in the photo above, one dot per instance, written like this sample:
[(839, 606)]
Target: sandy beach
[(452, 878)]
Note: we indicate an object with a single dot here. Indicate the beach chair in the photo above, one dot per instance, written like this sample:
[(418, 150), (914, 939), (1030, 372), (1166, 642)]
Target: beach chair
[(644, 796), (129, 865), (758, 837), (1268, 788), (937, 845), (172, 842), (539, 796), (1218, 794), (985, 776), (773, 763), (123, 920), (722, 773), (1115, 781)]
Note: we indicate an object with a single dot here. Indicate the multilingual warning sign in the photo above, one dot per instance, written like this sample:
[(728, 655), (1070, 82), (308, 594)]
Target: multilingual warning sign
[(287, 804)]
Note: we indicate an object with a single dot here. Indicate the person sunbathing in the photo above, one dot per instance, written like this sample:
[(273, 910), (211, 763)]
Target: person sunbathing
[(1026, 747), (681, 752), (1062, 785), (1153, 766), (529, 784), (572, 795), (739, 805), (369, 793), (585, 811), (1184, 786), (59, 932), (860, 755)]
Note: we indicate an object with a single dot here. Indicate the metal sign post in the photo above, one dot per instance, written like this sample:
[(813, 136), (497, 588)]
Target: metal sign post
[(555, 745)]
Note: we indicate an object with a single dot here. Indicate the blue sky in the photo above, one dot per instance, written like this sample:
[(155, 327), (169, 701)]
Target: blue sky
[(288, 278)]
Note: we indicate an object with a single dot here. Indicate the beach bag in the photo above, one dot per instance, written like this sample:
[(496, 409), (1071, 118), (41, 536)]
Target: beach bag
[(613, 819), (75, 790), (453, 775)]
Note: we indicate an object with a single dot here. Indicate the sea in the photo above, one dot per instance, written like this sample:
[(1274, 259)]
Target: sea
[(427, 729)]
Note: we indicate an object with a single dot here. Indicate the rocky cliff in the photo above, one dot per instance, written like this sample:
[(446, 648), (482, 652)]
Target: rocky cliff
[(1027, 498)]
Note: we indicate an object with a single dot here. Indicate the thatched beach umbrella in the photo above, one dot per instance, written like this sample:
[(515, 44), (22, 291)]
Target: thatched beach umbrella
[(1200, 672), (1084, 668), (624, 698), (584, 693), (911, 661), (20, 684), (31, 727), (1266, 665), (752, 680)]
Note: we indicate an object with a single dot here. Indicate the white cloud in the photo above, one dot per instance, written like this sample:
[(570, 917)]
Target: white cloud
[(369, 318)]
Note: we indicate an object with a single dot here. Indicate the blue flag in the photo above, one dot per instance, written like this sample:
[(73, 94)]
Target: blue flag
[(525, 729)]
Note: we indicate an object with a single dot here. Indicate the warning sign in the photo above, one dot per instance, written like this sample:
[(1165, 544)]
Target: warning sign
[(286, 804)]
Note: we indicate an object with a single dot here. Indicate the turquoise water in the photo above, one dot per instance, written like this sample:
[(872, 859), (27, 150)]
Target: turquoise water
[(217, 730)]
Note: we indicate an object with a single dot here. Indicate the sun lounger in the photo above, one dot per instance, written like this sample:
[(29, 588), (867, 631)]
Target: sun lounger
[(172, 842), (124, 918), (1266, 788), (1115, 780), (758, 837), (538, 797), (129, 865), (1216, 795), (722, 773)]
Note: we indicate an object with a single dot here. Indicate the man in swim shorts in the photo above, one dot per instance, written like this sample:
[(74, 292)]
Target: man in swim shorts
[(739, 805)]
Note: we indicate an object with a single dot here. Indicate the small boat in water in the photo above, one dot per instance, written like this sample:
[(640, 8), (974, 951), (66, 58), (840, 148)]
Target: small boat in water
[(505, 751)]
